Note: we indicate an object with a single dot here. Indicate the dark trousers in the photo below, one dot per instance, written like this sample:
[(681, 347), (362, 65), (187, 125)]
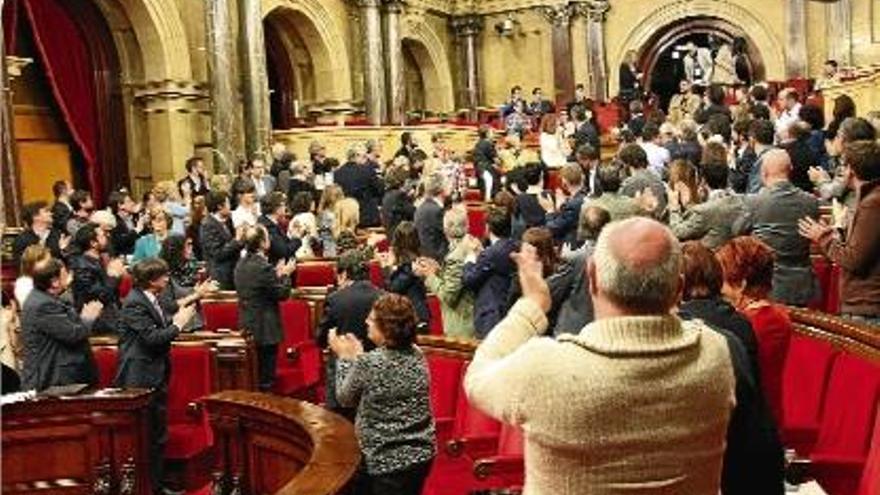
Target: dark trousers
[(267, 357), (158, 435), (409, 481)]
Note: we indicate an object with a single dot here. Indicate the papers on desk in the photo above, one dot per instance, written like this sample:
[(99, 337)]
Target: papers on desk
[(17, 397)]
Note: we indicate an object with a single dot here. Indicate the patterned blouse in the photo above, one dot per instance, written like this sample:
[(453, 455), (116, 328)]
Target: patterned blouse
[(394, 424)]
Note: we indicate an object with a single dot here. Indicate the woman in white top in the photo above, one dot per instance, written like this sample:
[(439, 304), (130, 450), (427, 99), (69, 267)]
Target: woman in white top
[(24, 284), (552, 153), (248, 210)]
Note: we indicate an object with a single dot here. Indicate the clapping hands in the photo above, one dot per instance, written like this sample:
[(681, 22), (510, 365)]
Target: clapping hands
[(283, 269), (345, 346)]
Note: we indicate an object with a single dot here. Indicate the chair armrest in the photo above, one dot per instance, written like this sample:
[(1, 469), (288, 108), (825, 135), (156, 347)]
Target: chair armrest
[(194, 410), (503, 466), (475, 447)]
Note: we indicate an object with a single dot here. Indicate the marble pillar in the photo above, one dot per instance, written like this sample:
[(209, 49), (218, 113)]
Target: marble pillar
[(839, 31), (594, 11), (254, 79), (795, 38), (374, 71), (394, 62), (224, 107), (563, 68), (467, 28)]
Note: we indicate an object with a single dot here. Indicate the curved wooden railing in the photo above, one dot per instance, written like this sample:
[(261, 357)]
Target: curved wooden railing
[(849, 335), (271, 444)]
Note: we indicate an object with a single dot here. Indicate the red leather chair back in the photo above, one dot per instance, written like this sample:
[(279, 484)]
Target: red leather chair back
[(446, 375), (220, 315), (436, 325), (473, 195), (828, 276), (298, 342), (554, 180), (106, 358), (850, 409), (315, 274), (870, 484), (804, 383), (193, 376), (607, 116), (376, 275), (470, 421), (476, 221), (511, 441)]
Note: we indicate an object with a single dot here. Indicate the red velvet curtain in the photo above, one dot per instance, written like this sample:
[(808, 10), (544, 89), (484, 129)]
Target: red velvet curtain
[(69, 68)]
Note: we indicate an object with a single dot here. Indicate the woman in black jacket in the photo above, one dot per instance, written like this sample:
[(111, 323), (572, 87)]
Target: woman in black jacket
[(400, 278), (397, 205)]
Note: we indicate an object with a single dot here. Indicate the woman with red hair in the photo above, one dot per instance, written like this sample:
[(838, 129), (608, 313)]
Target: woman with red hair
[(747, 265)]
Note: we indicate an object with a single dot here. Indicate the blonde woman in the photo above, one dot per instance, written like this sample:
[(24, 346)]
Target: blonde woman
[(327, 218), (348, 216)]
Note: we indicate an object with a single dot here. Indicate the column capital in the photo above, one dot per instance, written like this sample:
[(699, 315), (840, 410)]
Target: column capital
[(367, 4), (559, 15), (467, 25), (592, 10), (393, 6)]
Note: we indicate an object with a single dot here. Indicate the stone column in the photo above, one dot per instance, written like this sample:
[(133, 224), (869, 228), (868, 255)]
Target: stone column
[(394, 62), (563, 68), (467, 28), (795, 38), (9, 200), (839, 31), (374, 72), (594, 12), (224, 107), (254, 80)]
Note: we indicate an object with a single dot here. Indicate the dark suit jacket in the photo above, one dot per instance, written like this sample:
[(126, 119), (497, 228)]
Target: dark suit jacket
[(429, 224), (61, 213), (347, 309), (362, 183), (404, 282), (145, 339), (259, 292), (197, 190), (587, 134), (572, 307), (564, 223), (485, 155), (281, 247), (91, 283), (489, 278), (123, 238), (706, 113), (220, 251), (396, 207), (802, 158), (56, 344), (28, 238)]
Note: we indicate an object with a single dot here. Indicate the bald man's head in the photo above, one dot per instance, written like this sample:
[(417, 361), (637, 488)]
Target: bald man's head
[(776, 167), (637, 266)]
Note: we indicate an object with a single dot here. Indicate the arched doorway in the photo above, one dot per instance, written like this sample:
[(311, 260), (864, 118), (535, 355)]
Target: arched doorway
[(74, 88), (289, 67), (413, 80), (660, 56)]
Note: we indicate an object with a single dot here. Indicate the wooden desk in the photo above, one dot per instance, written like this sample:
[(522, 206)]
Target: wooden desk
[(85, 444), (269, 444)]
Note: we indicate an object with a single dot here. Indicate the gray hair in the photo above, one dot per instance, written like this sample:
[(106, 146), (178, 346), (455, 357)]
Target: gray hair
[(455, 222), (651, 288), (434, 184), (354, 150)]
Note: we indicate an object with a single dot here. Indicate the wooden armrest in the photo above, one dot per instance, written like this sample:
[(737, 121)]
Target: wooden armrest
[(499, 466), (474, 447)]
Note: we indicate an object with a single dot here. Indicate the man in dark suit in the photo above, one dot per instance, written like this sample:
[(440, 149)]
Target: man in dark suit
[(38, 219), (61, 209), (347, 309), (145, 336), (359, 180), (490, 274), (55, 337), (281, 247), (195, 179), (397, 204), (260, 288), (221, 245), (128, 227), (429, 219), (564, 222), (486, 163), (92, 281)]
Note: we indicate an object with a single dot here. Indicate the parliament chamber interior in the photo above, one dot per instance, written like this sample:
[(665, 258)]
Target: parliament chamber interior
[(440, 247)]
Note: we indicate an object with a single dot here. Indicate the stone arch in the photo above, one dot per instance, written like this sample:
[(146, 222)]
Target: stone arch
[(759, 32), (325, 42), (433, 61)]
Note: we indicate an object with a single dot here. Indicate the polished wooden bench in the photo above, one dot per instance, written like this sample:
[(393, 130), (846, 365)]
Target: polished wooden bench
[(275, 445)]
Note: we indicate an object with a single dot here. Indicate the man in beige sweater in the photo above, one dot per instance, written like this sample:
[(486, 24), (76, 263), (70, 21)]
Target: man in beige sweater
[(637, 403)]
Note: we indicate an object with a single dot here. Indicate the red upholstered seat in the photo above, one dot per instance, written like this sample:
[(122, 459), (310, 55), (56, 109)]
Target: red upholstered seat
[(220, 315), (554, 181), (299, 358), (847, 424), (315, 274), (507, 467), (436, 325), (804, 382), (607, 116), (474, 433), (828, 276), (106, 359), (193, 376), (446, 374), (870, 484), (473, 195), (476, 221)]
